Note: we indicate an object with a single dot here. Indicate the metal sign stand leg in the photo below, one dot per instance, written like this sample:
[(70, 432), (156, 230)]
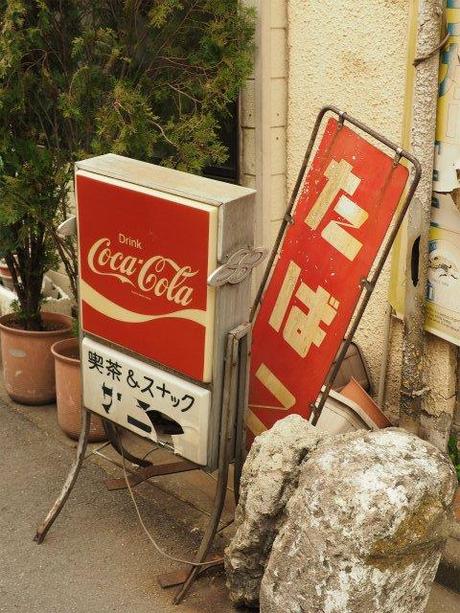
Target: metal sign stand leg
[(234, 403), (242, 404), (235, 382), (70, 481)]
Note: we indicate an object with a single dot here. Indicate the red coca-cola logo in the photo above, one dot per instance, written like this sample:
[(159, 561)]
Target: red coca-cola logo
[(157, 275), (144, 264)]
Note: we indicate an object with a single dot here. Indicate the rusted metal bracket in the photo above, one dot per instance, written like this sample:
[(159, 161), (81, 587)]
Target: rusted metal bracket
[(154, 470)]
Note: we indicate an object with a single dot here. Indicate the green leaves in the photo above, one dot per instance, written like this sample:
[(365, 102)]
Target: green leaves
[(126, 124), (99, 76), (454, 454), (151, 80), (162, 10)]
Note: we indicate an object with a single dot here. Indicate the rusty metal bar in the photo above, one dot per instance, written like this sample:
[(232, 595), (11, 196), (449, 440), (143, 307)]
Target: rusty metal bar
[(242, 407), (154, 470), (70, 481)]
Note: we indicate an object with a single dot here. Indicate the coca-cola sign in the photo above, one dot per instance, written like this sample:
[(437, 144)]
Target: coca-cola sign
[(144, 263), (158, 275)]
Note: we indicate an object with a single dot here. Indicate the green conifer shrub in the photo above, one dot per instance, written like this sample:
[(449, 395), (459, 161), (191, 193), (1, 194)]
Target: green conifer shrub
[(150, 79)]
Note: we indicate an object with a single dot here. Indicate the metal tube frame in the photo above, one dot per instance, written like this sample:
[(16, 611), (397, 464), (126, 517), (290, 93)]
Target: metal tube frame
[(234, 406), (69, 482), (244, 350), (236, 363), (367, 284)]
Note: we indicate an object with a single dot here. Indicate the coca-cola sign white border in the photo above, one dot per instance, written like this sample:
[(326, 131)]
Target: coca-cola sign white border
[(145, 257)]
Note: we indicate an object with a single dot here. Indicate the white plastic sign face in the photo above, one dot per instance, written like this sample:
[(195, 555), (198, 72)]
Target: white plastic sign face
[(141, 398), (145, 258)]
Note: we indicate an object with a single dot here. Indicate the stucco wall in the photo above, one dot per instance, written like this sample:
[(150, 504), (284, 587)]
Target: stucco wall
[(352, 54)]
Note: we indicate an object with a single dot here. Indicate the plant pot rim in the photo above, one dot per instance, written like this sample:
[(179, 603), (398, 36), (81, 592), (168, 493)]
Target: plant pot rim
[(56, 317), (57, 347)]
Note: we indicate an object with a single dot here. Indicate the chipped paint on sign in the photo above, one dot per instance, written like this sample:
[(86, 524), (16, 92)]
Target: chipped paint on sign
[(345, 205)]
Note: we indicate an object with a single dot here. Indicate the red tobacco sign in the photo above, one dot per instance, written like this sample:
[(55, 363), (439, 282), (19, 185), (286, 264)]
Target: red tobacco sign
[(342, 213), (144, 263)]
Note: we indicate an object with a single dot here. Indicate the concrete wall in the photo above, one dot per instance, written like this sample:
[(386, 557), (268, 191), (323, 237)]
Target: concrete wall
[(352, 54)]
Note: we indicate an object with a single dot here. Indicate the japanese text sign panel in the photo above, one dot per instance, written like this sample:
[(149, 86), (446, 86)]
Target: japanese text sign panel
[(144, 262), (343, 210), (135, 395)]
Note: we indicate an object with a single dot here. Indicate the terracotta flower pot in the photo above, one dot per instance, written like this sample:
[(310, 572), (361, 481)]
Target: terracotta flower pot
[(357, 394), (68, 391), (28, 365)]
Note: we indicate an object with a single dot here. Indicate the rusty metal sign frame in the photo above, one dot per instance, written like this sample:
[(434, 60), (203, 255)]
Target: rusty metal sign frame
[(368, 283), (233, 413)]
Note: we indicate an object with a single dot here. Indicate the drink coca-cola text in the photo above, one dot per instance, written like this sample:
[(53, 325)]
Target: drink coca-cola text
[(157, 275)]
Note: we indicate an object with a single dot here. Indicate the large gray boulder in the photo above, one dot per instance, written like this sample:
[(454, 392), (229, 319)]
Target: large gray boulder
[(365, 528), (270, 477)]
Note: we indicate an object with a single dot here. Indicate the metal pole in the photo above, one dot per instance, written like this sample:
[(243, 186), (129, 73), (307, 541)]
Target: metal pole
[(242, 406), (70, 481), (422, 141), (227, 426)]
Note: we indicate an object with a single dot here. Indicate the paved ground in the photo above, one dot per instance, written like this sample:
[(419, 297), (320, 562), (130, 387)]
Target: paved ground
[(95, 559)]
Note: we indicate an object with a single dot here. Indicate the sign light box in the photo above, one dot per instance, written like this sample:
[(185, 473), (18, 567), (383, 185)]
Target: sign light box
[(150, 238)]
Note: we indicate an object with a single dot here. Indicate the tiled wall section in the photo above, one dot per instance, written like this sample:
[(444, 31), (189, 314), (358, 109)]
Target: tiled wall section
[(267, 98)]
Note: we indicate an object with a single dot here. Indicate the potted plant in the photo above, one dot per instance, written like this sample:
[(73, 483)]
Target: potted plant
[(27, 334), (33, 181), (151, 80)]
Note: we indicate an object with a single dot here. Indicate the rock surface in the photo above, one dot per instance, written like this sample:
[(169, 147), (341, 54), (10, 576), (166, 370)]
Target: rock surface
[(270, 477), (365, 528)]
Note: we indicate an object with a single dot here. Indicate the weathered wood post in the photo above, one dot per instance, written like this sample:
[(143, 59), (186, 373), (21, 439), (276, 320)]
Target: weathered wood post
[(422, 142)]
